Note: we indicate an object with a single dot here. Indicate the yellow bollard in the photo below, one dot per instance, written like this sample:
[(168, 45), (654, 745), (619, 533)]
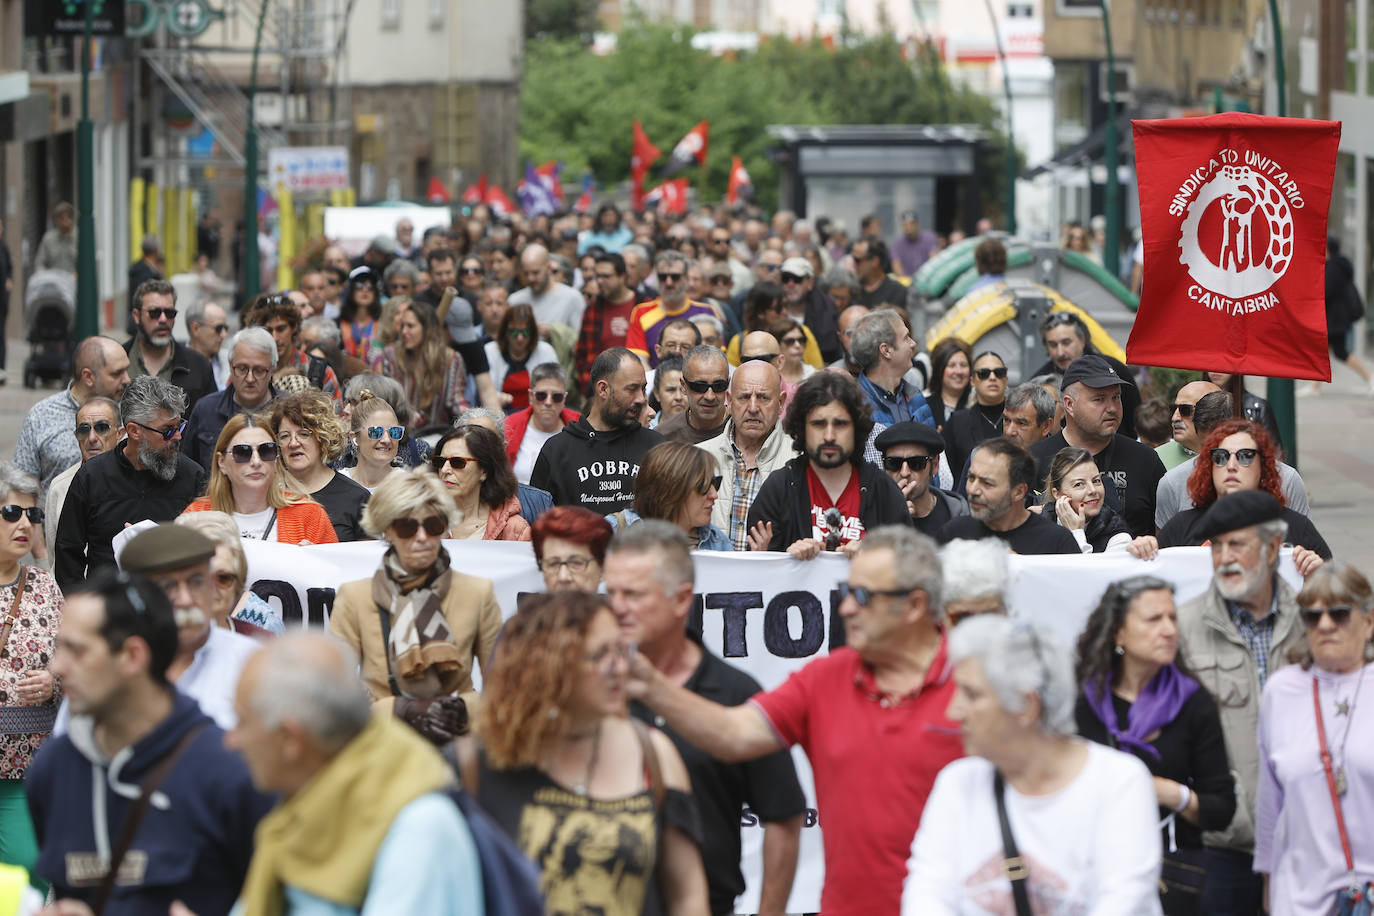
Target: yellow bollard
[(286, 248), (137, 195)]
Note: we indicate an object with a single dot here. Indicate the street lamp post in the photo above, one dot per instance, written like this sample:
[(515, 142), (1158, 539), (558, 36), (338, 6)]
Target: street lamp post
[(87, 283), (1111, 190), (251, 279), (1011, 140)]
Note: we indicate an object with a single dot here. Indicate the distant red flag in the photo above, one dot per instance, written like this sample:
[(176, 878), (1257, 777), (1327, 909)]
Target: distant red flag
[(1233, 214), (642, 155), (670, 197), (476, 193), (497, 200), (741, 185), (690, 149), (437, 193)]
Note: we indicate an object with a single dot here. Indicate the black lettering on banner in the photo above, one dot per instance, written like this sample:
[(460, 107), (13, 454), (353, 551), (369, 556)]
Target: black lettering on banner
[(749, 819), (777, 635), (319, 603), (736, 607), (695, 619), (836, 622), (285, 592)]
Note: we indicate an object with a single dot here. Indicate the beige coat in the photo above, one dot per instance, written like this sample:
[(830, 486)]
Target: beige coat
[(473, 616), (1219, 656), (777, 450)]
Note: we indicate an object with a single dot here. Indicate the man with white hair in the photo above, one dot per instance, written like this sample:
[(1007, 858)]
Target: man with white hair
[(363, 824), (98, 429), (207, 326), (252, 356), (977, 576)]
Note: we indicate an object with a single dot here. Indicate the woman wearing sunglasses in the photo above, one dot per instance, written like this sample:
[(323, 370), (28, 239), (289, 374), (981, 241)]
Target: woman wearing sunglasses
[(472, 463), (791, 337), (32, 605), (417, 624), (310, 436), (1313, 836), (1239, 455), (517, 347), (678, 483), (981, 420), (247, 483), (471, 274), (527, 430), (376, 436), (362, 309)]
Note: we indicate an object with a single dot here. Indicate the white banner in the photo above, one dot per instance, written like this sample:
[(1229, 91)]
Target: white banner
[(762, 612)]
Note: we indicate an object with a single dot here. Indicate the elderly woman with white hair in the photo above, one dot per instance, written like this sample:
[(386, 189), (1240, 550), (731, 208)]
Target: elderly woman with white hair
[(976, 578), (417, 624), (1033, 813)]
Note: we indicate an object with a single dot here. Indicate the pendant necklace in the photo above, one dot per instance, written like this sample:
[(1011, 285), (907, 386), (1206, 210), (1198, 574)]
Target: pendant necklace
[(581, 787), (1346, 708)]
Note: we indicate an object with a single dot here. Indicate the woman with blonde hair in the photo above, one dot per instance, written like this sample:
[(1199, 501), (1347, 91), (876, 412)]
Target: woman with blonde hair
[(417, 624), (432, 375), (235, 606), (377, 436), (388, 328), (616, 822), (247, 483), (309, 435)]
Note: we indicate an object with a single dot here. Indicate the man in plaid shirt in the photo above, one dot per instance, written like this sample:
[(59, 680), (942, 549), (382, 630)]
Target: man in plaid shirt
[(752, 446), (607, 320)]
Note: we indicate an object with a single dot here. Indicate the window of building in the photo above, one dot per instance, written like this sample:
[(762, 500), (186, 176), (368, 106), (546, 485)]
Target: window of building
[(391, 14), (1072, 107), (436, 14), (1081, 8)]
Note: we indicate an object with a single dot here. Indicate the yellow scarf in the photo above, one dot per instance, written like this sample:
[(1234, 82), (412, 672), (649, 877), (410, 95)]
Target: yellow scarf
[(323, 839)]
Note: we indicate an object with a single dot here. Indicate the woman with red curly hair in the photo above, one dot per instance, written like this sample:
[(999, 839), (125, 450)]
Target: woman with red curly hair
[(1238, 455)]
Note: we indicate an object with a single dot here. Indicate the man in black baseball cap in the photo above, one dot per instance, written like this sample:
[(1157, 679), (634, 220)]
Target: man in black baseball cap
[(1091, 393), (911, 457)]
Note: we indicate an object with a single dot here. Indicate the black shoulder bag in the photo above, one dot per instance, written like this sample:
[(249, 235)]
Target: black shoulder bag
[(1016, 869)]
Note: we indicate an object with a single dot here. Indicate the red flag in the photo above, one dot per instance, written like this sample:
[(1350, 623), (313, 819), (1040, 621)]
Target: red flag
[(476, 193), (437, 193), (551, 173), (741, 185), (691, 148), (671, 196), (498, 201), (1233, 215), (642, 155)]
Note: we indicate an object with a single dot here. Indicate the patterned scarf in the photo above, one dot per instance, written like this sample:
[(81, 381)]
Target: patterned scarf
[(421, 650)]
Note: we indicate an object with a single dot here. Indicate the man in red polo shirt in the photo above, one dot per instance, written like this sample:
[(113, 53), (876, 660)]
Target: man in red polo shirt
[(870, 716)]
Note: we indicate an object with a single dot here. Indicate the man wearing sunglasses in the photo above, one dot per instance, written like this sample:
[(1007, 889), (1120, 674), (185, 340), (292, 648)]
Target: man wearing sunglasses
[(98, 429), (144, 477), (1185, 442), (813, 308), (871, 263), (649, 319), (152, 351), (1093, 413), (911, 457), (208, 327), (706, 376), (1232, 637)]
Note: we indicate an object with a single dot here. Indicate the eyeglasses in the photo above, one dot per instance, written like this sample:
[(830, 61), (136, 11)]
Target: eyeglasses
[(524, 333), (1311, 617), (101, 427), (791, 278), (574, 564), (395, 432), (985, 374), (605, 278), (793, 341), (407, 528), (285, 437), (246, 370), (770, 268), (605, 657), (863, 597), (472, 271), (12, 513), (167, 434), (157, 314), (721, 279), (917, 463), (456, 462), (670, 278), (558, 397), (220, 328), (700, 386), (1184, 410), (763, 357), (226, 579), (1244, 456), (243, 453), (712, 484)]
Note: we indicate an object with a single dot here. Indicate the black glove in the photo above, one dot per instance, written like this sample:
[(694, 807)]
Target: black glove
[(439, 720)]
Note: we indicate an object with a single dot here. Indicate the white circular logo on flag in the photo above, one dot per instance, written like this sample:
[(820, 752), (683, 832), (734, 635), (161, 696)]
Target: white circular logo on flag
[(1237, 237)]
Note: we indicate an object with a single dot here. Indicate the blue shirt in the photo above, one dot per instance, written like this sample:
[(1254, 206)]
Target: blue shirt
[(906, 403)]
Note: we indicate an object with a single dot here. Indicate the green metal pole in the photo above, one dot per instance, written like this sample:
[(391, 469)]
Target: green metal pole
[(87, 286), (1280, 390), (1111, 189), (251, 279), (1011, 140)]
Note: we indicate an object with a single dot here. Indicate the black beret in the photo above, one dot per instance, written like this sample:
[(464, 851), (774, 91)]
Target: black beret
[(1093, 371), (164, 548), (1238, 510), (909, 432)]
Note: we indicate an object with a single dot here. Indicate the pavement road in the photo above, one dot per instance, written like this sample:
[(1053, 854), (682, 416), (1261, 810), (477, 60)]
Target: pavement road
[(1335, 453)]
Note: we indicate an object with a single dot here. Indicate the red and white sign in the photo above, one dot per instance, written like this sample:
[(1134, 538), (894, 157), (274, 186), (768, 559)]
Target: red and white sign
[(308, 168), (1233, 215)]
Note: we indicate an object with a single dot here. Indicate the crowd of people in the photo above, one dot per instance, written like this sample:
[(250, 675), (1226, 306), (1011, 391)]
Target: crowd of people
[(620, 390)]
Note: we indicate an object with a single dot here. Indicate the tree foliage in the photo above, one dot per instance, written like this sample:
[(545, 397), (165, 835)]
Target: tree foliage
[(566, 19), (578, 107)]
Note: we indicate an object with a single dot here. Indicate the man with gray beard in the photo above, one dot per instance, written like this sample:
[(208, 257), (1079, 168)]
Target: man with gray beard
[(144, 477)]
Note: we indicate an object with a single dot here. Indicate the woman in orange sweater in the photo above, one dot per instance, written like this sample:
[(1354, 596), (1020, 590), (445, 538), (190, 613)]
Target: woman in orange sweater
[(246, 482)]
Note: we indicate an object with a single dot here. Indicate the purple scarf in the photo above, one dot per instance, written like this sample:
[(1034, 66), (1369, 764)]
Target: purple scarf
[(1157, 706)]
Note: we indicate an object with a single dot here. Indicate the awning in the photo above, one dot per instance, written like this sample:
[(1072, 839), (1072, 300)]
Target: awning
[(1089, 150)]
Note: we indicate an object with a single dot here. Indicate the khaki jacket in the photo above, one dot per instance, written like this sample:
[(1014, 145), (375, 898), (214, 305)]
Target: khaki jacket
[(473, 616), (1213, 649), (777, 450)]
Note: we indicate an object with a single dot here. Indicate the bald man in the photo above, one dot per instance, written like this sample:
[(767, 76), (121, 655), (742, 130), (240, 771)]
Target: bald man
[(845, 329), (752, 445), (760, 345), (46, 446), (1184, 444), (553, 302)]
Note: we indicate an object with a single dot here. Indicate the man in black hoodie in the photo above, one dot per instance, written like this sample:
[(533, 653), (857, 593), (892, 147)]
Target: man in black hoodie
[(132, 732), (827, 498), (594, 461)]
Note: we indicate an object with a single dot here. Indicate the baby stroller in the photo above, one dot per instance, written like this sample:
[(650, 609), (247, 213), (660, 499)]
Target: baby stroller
[(49, 315)]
